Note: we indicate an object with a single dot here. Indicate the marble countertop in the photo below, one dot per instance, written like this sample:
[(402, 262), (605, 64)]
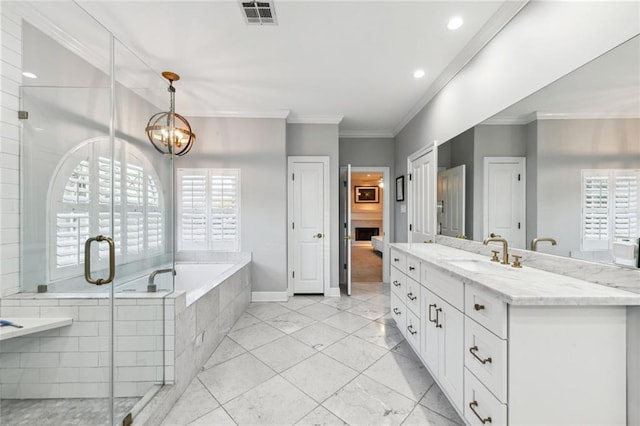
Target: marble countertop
[(517, 286)]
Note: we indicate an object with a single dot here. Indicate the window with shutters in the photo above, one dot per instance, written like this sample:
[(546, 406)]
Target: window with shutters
[(208, 209), (610, 208), (85, 202)]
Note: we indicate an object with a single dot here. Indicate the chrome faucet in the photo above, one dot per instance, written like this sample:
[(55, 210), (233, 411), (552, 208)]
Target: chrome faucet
[(151, 287), (535, 241), (505, 248)]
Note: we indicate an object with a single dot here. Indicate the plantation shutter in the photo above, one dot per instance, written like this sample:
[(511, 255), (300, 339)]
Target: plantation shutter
[(610, 207), (224, 210), (84, 203), (595, 212), (625, 204), (209, 209), (192, 205)]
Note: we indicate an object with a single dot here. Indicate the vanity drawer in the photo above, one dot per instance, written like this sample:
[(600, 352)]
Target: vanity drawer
[(445, 286), (413, 268), (480, 404), (413, 296), (412, 331), (398, 312), (485, 355), (487, 310), (398, 280), (398, 260)]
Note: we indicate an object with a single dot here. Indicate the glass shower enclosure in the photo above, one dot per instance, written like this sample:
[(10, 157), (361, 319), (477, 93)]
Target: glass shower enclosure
[(95, 225)]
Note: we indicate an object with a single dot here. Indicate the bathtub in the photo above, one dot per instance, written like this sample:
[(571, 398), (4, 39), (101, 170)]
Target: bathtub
[(175, 330), (194, 278)]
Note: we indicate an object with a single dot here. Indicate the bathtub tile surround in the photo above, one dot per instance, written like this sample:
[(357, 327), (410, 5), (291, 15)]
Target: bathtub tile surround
[(320, 374), (198, 333)]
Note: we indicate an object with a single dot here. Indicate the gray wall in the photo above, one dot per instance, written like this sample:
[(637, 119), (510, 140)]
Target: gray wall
[(565, 147), (258, 148), (321, 140), (362, 152), (492, 141)]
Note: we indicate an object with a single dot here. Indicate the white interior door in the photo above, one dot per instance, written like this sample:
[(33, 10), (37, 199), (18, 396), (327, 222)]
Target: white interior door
[(422, 197), (505, 199), (348, 238), (309, 213), (451, 199)]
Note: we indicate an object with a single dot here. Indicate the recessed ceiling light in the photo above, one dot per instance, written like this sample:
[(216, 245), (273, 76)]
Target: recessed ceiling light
[(455, 23), (418, 73), (29, 74)]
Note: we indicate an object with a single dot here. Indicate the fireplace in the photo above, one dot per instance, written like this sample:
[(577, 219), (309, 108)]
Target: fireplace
[(365, 234)]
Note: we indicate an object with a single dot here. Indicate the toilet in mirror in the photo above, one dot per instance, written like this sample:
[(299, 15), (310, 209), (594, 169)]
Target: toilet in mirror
[(557, 172)]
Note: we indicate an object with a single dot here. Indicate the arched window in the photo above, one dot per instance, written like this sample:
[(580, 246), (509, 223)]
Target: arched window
[(81, 202)]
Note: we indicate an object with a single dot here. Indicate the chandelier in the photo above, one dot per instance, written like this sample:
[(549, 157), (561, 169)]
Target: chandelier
[(169, 132)]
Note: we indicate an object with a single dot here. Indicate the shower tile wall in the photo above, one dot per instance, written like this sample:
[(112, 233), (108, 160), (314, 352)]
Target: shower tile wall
[(11, 69), (73, 361)]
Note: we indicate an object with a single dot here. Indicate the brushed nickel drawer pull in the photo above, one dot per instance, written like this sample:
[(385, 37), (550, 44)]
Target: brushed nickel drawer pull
[(396, 283), (478, 307), (438, 325), (474, 404), (473, 351), (431, 319), (411, 296), (396, 311), (410, 328)]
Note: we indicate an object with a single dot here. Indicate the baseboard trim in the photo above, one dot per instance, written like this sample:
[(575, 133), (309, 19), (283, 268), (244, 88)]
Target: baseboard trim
[(269, 296), (334, 292)]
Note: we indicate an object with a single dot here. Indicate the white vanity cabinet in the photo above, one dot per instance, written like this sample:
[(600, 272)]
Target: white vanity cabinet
[(443, 332), (513, 360)]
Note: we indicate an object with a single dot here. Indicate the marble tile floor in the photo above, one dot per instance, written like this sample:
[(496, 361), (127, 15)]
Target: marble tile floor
[(56, 412), (315, 361)]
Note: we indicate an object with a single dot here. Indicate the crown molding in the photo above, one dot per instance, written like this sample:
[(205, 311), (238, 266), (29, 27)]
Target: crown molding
[(584, 115), (511, 120), (283, 114), (528, 118), (361, 134), (489, 30), (315, 119)]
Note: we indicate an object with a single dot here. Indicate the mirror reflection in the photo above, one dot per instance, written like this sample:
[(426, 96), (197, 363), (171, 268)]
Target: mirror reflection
[(558, 172)]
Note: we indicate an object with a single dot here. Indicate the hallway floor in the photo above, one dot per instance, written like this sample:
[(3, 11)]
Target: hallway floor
[(315, 361)]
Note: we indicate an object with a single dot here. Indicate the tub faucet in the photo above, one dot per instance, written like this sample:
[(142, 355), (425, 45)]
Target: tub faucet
[(505, 248), (152, 276), (535, 241)]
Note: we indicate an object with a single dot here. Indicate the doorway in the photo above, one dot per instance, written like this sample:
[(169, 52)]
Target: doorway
[(365, 210)]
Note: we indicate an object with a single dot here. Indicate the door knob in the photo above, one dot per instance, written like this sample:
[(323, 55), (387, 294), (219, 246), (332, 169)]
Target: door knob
[(318, 235)]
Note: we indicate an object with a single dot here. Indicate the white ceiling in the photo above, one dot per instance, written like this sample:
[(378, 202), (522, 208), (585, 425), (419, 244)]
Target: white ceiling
[(325, 61)]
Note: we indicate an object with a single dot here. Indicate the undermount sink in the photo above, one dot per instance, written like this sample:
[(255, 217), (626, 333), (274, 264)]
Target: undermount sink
[(472, 265)]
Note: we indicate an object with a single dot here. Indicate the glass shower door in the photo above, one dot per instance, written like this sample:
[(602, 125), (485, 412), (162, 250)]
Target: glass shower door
[(96, 222)]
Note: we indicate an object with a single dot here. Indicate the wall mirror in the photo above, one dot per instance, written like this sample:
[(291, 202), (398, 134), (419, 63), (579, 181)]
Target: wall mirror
[(561, 164)]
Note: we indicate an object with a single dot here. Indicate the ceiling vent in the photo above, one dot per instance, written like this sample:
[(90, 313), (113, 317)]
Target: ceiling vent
[(259, 12)]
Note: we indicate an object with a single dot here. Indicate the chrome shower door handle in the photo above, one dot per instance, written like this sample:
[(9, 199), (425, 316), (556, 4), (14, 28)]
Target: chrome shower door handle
[(87, 260)]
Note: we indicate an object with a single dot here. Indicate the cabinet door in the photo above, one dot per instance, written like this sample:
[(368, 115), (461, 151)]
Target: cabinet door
[(430, 333), (450, 351)]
